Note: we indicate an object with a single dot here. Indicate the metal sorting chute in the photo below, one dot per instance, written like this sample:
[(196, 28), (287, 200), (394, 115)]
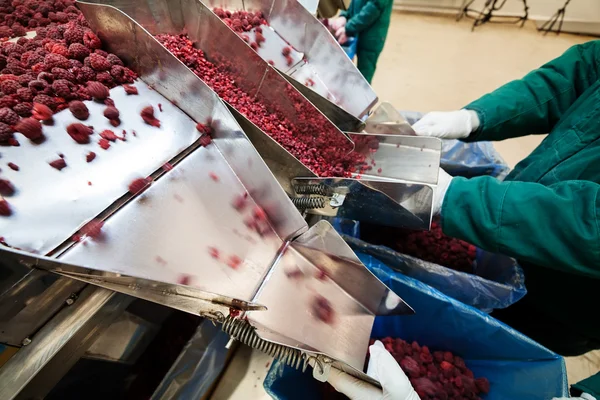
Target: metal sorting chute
[(408, 165), (182, 242)]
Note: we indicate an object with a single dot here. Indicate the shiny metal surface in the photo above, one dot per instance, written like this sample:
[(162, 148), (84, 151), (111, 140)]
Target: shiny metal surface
[(51, 205), (169, 77), (385, 119), (391, 203), (87, 314), (335, 76)]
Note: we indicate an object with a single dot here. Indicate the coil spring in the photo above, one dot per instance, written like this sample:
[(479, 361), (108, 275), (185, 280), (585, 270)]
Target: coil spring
[(242, 331), (303, 203), (318, 188)]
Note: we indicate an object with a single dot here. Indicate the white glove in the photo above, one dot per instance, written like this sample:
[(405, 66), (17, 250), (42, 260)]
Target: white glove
[(447, 125), (383, 368), (584, 396), (337, 23), (439, 192)]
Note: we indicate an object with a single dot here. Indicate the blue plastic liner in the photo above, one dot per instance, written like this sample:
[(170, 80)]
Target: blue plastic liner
[(497, 281), (350, 47), (517, 367)]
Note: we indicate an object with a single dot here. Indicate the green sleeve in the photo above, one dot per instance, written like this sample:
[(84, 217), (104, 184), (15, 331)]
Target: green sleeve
[(534, 104), (367, 15), (590, 385), (554, 226), (346, 14)]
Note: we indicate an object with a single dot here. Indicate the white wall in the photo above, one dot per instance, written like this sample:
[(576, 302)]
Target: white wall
[(582, 15)]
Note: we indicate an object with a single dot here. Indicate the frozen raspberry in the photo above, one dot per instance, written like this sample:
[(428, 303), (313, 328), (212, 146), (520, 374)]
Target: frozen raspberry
[(74, 34), (205, 140), (23, 109), (30, 128), (138, 185), (89, 157), (56, 60), (42, 112), (114, 60), (104, 143), (286, 51), (322, 310), (80, 132), (111, 113), (79, 110), (101, 52), (25, 94), (60, 49), (254, 46), (45, 100), (9, 87), (5, 32), (130, 89), (5, 209), (62, 88), (6, 132), (106, 78), (18, 30), (61, 73), (58, 164), (8, 101), (78, 51), (97, 90), (46, 77), (148, 116), (483, 385), (13, 166), (234, 262), (6, 188), (38, 85), (8, 116), (119, 74), (13, 49), (99, 63), (92, 229), (108, 135), (75, 63), (86, 74)]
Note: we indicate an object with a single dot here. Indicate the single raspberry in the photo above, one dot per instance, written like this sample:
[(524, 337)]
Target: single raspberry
[(75, 63), (8, 116), (101, 52), (113, 59), (78, 51), (148, 116), (138, 185), (5, 32), (30, 128), (61, 73), (75, 34), (104, 143), (13, 49), (45, 100), (85, 74), (119, 74), (46, 77), (97, 90), (99, 63), (58, 164), (79, 110), (92, 229), (6, 188), (286, 51), (60, 49), (62, 88), (42, 112), (111, 113), (5, 209), (10, 86), (89, 157), (56, 60), (23, 109), (129, 89), (108, 135), (8, 101), (13, 166), (205, 140), (106, 78), (410, 367), (25, 94), (18, 30), (483, 385), (38, 86), (6, 132), (322, 310), (80, 132)]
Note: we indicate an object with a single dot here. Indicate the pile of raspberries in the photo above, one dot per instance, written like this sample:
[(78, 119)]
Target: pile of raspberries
[(58, 66), (304, 132), (432, 245), (19, 16), (241, 21)]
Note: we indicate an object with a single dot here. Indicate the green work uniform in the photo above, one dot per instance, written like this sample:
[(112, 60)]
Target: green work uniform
[(369, 21), (547, 211)]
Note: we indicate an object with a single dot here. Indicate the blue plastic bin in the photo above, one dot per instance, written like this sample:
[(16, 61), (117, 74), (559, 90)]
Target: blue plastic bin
[(517, 367)]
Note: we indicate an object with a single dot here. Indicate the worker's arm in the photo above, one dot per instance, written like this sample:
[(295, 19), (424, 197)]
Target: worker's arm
[(555, 226), (534, 104), (590, 385), (367, 15)]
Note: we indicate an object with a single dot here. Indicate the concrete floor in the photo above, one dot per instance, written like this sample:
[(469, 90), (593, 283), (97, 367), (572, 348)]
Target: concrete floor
[(433, 63)]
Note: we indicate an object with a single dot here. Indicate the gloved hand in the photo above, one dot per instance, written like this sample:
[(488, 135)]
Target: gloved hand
[(439, 192), (340, 34), (383, 368), (447, 125), (337, 23), (584, 396)]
